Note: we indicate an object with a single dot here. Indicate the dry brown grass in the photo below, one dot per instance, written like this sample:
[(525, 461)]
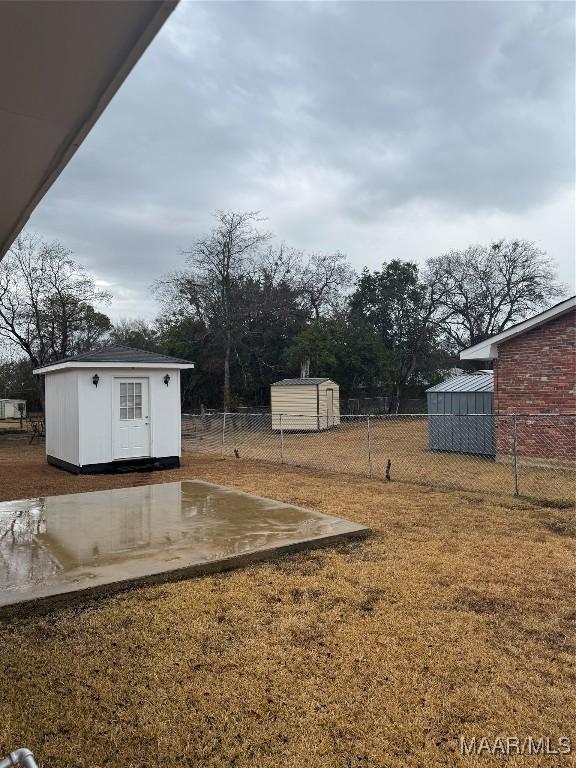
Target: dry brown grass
[(403, 441), (454, 618)]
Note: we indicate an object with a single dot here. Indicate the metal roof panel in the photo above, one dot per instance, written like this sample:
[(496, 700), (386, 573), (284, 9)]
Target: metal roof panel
[(467, 382)]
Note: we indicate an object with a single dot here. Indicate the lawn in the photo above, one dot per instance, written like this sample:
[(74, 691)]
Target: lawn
[(454, 618)]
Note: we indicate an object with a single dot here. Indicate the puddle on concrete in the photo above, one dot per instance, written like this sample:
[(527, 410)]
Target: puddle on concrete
[(60, 544)]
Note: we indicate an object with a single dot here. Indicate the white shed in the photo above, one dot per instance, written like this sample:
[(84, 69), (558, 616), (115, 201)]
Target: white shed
[(12, 409), (305, 405), (114, 408)]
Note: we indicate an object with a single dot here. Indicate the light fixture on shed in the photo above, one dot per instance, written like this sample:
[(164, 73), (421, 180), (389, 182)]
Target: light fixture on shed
[(95, 379), (167, 379)]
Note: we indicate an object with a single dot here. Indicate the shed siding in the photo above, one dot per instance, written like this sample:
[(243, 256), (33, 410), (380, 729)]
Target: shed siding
[(298, 406), (15, 410), (303, 407), (62, 416), (9, 408), (455, 422), (165, 420), (95, 416), (96, 409)]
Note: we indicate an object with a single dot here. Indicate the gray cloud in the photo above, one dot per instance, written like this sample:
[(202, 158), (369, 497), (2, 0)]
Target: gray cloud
[(348, 124)]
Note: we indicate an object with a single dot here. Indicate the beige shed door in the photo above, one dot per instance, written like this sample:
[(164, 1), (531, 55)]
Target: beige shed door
[(330, 407), (130, 419)]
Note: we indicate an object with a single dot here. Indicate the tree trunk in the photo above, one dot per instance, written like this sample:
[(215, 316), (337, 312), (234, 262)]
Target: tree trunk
[(305, 368), (41, 382), (226, 388), (398, 396)]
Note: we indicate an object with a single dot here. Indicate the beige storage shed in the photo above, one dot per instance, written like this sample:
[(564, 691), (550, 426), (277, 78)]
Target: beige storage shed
[(305, 405)]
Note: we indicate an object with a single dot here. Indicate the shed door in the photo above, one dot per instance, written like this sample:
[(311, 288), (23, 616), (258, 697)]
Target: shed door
[(329, 407), (130, 419)]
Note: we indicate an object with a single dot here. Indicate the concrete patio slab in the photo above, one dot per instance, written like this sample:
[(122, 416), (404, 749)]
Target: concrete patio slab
[(57, 547)]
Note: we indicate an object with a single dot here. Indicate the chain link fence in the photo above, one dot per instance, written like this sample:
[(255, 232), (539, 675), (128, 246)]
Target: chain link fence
[(524, 454)]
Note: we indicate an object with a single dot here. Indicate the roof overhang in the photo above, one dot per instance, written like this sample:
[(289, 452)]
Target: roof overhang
[(62, 62), (120, 366), (488, 349)]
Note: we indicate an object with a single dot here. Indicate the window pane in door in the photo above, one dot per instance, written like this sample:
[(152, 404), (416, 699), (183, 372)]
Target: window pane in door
[(131, 400)]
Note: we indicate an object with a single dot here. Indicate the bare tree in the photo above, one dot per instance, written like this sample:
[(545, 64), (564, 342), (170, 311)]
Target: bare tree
[(320, 280), (281, 265), (46, 301), (135, 332), (324, 280), (483, 290), (208, 288)]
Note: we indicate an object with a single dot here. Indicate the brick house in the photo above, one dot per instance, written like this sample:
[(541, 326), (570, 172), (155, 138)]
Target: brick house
[(534, 365)]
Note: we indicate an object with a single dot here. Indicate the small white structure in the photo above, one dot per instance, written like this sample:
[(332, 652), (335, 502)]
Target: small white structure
[(305, 405), (9, 409), (114, 408)]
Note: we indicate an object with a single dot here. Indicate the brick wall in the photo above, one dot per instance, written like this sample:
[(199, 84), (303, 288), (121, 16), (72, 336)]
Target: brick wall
[(536, 373)]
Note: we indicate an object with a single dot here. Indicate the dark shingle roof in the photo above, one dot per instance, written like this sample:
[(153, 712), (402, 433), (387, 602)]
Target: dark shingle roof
[(120, 354), (288, 382), (483, 381)]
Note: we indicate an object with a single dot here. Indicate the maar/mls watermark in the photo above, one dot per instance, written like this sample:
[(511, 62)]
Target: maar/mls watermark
[(516, 745)]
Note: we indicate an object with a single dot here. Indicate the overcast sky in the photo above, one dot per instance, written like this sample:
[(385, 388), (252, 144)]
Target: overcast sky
[(385, 130)]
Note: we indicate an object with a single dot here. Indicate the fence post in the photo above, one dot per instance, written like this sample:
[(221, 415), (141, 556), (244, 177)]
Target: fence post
[(515, 453), (223, 434), (369, 446), (281, 441)]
